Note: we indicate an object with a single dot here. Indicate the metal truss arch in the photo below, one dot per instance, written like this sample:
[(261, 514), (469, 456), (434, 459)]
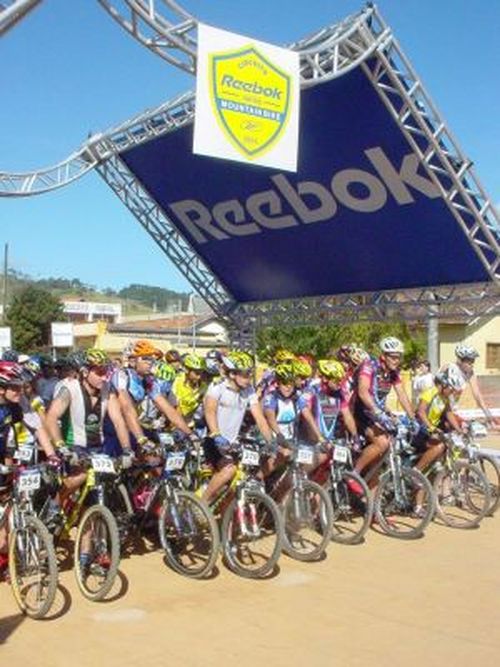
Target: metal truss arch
[(13, 11), (163, 26)]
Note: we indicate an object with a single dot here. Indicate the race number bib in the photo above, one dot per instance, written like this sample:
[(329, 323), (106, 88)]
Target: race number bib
[(175, 461), (250, 457), (340, 454), (24, 453), (29, 481), (305, 455), (103, 464)]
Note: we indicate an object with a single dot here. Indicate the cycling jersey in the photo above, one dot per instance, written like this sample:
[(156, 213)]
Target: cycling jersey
[(435, 406), (381, 381), (326, 406), (188, 397), (287, 411), (10, 414), (81, 423), (25, 430), (231, 407)]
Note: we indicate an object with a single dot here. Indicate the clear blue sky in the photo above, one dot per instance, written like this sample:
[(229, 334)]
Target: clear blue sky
[(68, 69)]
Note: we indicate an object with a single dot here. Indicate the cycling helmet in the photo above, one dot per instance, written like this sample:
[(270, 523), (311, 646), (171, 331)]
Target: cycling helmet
[(172, 356), (356, 354), (450, 376), (343, 354), (11, 373), (302, 369), (46, 362), (283, 355), (285, 372), (32, 366), (143, 348), (391, 344), (214, 355), (193, 362), (164, 371), (331, 369), (238, 360), (23, 358), (466, 352), (10, 355), (76, 359), (95, 357)]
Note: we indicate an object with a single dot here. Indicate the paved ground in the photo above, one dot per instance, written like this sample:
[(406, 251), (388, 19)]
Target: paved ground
[(387, 601)]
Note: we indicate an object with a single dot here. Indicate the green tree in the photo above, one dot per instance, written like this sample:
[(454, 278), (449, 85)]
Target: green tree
[(30, 315), (322, 341)]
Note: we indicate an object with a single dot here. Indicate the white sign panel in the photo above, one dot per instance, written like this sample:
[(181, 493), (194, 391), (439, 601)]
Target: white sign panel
[(62, 334), (5, 337), (247, 100)]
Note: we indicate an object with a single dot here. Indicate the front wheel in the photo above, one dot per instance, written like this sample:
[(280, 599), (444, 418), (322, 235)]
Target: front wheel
[(404, 506), (352, 508), (491, 469), (462, 495), (97, 552), (189, 535), (252, 534), (33, 567), (308, 520)]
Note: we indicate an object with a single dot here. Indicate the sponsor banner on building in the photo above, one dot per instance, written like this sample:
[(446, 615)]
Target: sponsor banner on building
[(5, 338), (247, 100), (62, 334), (361, 214)]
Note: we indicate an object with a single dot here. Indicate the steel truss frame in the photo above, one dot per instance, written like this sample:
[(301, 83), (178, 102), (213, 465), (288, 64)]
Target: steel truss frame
[(363, 39), (12, 11)]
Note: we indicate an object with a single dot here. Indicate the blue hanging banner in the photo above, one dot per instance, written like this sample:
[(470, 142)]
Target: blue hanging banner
[(360, 214)]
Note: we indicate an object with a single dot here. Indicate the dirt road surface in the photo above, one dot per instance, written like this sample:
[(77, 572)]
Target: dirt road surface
[(432, 601)]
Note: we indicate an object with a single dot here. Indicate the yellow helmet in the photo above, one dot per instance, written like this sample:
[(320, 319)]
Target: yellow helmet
[(302, 368), (283, 355), (331, 369)]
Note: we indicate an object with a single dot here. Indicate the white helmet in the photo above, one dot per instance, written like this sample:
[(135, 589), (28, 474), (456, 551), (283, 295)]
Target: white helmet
[(466, 352), (451, 376), (391, 344)]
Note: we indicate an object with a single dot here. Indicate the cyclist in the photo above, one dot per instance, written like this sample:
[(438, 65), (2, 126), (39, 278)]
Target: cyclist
[(434, 409), (466, 356), (47, 381), (136, 386), (225, 406), (173, 358), (373, 381), (189, 387), (76, 414), (303, 372), (11, 415)]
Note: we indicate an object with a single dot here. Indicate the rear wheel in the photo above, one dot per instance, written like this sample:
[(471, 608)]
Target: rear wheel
[(308, 520), (252, 534), (404, 509), (33, 567), (97, 552), (352, 508), (189, 535)]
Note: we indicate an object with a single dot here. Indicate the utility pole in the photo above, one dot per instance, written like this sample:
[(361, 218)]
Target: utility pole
[(5, 274)]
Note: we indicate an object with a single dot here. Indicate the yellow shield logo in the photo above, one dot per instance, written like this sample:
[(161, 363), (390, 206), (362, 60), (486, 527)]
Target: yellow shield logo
[(251, 99)]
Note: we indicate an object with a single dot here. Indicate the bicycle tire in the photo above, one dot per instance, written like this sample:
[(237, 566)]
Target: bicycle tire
[(291, 538), (454, 509), (491, 469), (234, 556), (106, 517), (33, 525), (119, 503), (171, 541), (406, 525), (352, 514)]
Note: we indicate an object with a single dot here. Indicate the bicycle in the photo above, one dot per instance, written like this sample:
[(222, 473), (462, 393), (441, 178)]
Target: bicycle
[(251, 522), (404, 503), (462, 490), (306, 506), (32, 560), (96, 538), (485, 462), (350, 496), (187, 529)]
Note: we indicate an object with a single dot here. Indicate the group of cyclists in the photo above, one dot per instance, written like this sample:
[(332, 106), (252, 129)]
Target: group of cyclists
[(89, 402)]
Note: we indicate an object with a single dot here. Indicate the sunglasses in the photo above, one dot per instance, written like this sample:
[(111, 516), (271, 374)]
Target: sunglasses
[(245, 374)]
